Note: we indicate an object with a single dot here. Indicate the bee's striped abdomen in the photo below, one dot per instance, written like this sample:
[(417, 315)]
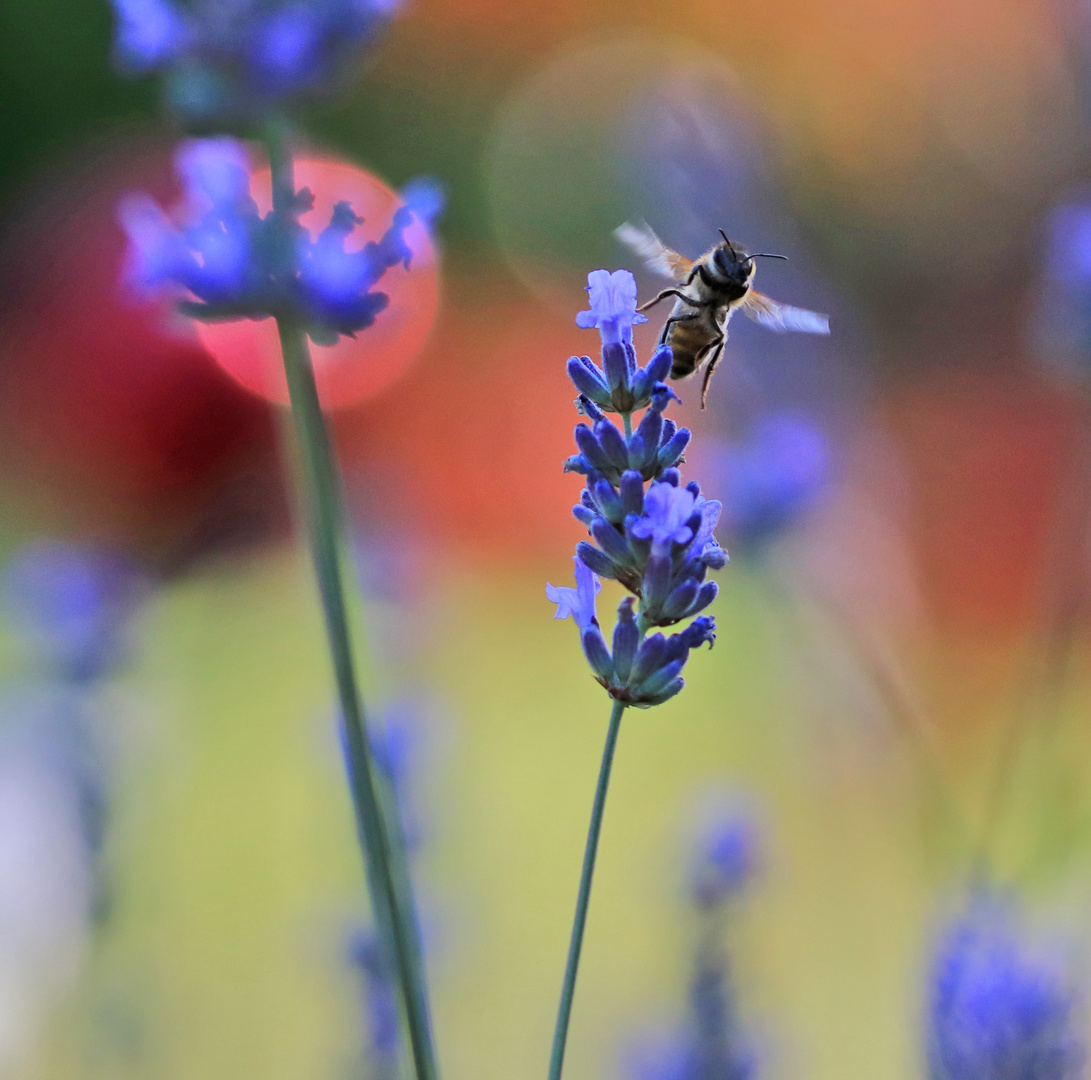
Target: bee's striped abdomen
[(686, 340)]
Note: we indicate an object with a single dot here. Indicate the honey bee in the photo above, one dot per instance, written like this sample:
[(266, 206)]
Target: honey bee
[(708, 291)]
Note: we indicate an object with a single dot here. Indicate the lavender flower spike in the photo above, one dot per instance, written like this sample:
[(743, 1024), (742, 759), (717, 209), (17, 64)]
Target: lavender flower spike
[(656, 543), (580, 601), (233, 62), (613, 306), (997, 1011), (236, 264)]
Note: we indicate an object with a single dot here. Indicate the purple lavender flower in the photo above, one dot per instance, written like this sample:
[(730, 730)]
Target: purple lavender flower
[(998, 1011), (235, 60), (72, 605), (237, 264), (650, 533), (667, 508), (580, 601), (613, 306)]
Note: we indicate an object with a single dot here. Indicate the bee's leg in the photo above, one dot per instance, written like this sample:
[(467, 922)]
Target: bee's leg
[(676, 319), (691, 300), (718, 351)]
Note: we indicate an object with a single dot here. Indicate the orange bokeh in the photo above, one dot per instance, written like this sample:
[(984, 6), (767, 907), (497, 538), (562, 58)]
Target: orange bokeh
[(355, 368)]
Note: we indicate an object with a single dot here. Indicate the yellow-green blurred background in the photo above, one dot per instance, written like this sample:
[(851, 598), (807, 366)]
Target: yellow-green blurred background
[(920, 630)]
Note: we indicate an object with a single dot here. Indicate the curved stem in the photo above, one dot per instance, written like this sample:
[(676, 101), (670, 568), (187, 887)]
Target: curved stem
[(388, 880), (560, 1033)]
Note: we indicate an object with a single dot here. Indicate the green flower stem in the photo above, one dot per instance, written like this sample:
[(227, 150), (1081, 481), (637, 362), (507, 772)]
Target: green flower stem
[(560, 1033), (380, 838)]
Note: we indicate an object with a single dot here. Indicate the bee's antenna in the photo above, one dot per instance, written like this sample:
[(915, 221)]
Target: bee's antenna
[(765, 255), (730, 246)]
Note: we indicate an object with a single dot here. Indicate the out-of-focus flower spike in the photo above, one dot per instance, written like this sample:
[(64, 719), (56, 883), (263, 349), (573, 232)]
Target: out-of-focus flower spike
[(150, 33), (996, 1009)]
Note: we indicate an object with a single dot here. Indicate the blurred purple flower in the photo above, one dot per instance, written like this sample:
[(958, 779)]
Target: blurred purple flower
[(150, 33), (72, 604), (382, 1023), (711, 1043), (1062, 312), (726, 859), (772, 478), (998, 1011), (238, 264), (234, 60)]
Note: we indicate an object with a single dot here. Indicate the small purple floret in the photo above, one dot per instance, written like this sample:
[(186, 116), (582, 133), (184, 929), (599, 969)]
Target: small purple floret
[(580, 601), (613, 305), (666, 511)]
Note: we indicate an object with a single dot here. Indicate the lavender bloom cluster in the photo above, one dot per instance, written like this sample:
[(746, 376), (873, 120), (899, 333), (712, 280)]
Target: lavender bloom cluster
[(650, 532), (71, 608), (998, 1012), (231, 61), (237, 264)]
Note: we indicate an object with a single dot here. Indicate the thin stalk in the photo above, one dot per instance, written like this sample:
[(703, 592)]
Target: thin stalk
[(385, 865), (560, 1033)]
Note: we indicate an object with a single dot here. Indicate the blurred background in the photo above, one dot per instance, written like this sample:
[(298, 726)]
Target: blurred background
[(899, 687)]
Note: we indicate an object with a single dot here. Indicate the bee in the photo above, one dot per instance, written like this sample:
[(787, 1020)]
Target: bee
[(708, 291)]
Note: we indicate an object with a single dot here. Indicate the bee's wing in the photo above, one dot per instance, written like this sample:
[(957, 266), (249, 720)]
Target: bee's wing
[(783, 317), (658, 258)]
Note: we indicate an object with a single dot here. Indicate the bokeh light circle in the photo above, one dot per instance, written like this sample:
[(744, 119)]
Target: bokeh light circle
[(355, 368), (564, 169)]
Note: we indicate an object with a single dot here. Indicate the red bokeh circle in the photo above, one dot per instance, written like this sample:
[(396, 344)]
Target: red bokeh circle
[(355, 368)]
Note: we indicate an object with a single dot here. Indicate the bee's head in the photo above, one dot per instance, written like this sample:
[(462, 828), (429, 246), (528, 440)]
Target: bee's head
[(731, 265), (735, 266)]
